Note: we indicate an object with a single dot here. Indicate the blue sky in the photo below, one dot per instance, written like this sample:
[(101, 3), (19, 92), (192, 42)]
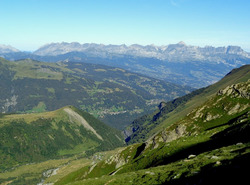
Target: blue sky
[(28, 24)]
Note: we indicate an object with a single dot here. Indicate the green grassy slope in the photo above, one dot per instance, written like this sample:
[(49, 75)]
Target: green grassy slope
[(175, 110), (209, 143), (112, 95), (27, 138)]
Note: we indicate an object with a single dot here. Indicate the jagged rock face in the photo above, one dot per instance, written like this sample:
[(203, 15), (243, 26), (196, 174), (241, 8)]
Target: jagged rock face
[(173, 52), (166, 136), (237, 91)]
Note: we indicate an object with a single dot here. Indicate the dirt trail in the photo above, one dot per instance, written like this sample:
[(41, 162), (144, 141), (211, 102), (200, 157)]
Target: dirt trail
[(80, 119)]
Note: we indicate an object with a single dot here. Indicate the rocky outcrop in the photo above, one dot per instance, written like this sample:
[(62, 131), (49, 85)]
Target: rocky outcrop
[(9, 104), (239, 90), (206, 113), (172, 52), (166, 136), (227, 102)]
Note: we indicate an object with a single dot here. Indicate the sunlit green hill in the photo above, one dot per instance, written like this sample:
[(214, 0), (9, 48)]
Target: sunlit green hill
[(35, 137), (172, 111), (209, 145)]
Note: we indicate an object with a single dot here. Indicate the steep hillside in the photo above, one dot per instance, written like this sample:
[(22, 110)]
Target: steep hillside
[(210, 145), (111, 94), (172, 111), (27, 138)]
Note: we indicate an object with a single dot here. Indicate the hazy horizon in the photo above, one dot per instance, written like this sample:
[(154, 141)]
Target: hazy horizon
[(123, 44), (29, 24)]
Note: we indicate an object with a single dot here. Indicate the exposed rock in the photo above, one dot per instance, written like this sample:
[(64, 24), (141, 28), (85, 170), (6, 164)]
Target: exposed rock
[(214, 157), (191, 156), (118, 159), (166, 136), (237, 90), (74, 115), (198, 113), (239, 144), (234, 109), (150, 173), (127, 132), (174, 134), (218, 163), (50, 172), (162, 105), (210, 117), (7, 49), (172, 52), (12, 102)]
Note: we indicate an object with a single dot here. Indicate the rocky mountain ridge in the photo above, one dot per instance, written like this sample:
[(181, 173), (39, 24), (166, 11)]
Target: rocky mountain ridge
[(7, 49), (236, 90), (179, 52)]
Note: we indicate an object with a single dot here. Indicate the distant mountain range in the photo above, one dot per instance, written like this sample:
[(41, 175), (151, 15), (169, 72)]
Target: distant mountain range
[(177, 63), (179, 52), (7, 49)]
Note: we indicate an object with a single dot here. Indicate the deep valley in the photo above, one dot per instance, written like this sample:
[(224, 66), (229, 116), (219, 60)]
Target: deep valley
[(201, 137)]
